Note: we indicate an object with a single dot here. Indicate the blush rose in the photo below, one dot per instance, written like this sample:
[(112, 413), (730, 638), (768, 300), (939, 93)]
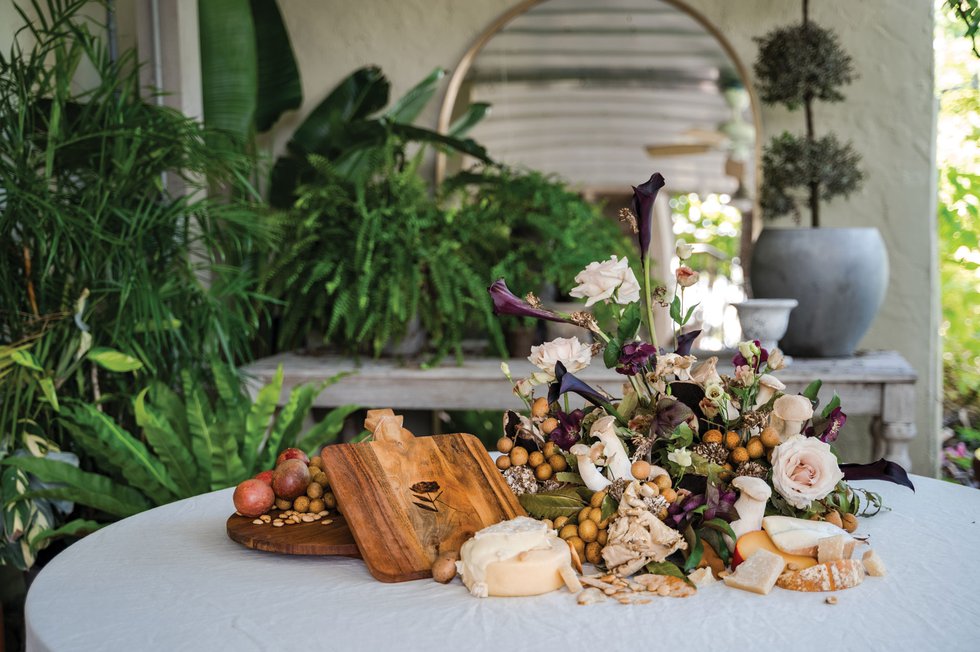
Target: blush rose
[(804, 469), (611, 279)]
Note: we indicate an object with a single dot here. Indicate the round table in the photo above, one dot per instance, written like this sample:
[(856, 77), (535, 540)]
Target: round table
[(170, 579)]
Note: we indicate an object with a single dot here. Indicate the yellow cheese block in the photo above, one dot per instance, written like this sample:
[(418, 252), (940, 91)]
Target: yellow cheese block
[(530, 573)]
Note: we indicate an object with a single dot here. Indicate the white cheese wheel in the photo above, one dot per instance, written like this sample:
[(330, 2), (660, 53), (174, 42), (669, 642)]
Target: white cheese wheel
[(520, 557)]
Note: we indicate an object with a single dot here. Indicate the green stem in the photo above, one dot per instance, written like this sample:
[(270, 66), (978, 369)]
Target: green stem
[(649, 299)]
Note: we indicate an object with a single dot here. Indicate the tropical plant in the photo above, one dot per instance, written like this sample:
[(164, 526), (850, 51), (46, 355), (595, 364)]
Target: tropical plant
[(191, 442), (102, 194), (796, 66), (968, 13)]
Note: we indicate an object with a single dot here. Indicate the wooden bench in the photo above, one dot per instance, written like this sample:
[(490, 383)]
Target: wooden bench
[(880, 384)]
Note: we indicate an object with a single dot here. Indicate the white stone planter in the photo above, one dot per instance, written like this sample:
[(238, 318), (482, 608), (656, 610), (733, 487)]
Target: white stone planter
[(765, 319)]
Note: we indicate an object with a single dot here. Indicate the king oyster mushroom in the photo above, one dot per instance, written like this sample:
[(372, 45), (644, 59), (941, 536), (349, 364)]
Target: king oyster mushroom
[(789, 413), (768, 386), (753, 495), (637, 537), (617, 460), (591, 476)]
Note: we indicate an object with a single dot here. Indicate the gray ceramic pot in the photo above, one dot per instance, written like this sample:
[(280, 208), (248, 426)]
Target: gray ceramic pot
[(839, 276)]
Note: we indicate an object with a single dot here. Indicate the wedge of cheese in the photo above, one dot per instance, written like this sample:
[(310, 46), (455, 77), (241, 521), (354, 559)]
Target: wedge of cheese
[(873, 564), (520, 557), (799, 536), (829, 576), (831, 548), (758, 573)]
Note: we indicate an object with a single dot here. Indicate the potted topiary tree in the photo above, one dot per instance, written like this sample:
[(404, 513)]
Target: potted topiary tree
[(838, 275)]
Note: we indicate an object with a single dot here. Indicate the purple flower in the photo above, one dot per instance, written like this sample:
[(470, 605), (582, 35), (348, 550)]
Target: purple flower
[(720, 503), (644, 196), (740, 360), (835, 421), (506, 302), (634, 357), (686, 341), (670, 414), (566, 382), (680, 511), (568, 432)]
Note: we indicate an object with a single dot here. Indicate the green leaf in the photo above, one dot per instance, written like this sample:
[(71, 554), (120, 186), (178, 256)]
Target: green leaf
[(610, 355), (47, 386), (93, 490), (113, 447), (714, 539), (408, 107), (675, 309), (26, 359), (721, 526), (569, 476), (608, 507), (360, 94), (279, 86), (694, 558), (327, 430), (812, 390), (690, 311), (474, 114), (76, 528), (259, 419), (667, 568), (551, 504), (113, 360), (229, 66), (168, 445), (227, 468), (198, 426), (422, 135), (833, 405), (629, 323)]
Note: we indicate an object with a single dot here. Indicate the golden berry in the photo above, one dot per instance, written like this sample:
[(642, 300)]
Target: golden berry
[(330, 500), (283, 504), (568, 531), (548, 425), (755, 448), (593, 552), (547, 522), (503, 462), (560, 522), (301, 504), (732, 440), (518, 456), (595, 515), (543, 472), (641, 469), (669, 494), (654, 489), (316, 505), (662, 481), (597, 498), (588, 530), (602, 537), (833, 517), (549, 449), (770, 437), (558, 462), (539, 408), (713, 436), (535, 459), (740, 455), (850, 522), (505, 444), (583, 514), (314, 490)]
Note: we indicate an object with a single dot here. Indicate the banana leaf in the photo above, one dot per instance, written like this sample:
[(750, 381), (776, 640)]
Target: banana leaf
[(410, 105), (279, 86), (229, 66)]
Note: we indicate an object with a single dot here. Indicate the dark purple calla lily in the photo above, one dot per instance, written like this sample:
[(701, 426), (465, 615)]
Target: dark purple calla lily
[(685, 342), (506, 302), (643, 197), (634, 357), (670, 414), (881, 470), (568, 432), (566, 382)]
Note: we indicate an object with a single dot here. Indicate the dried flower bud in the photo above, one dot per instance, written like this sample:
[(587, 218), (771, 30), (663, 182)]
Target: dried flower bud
[(686, 277), (776, 360)]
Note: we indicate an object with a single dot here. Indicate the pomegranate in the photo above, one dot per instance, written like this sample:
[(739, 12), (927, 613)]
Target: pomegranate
[(290, 479), (253, 498), (265, 476), (292, 454)]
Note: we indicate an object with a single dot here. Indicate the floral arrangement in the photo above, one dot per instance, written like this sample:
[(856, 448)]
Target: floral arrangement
[(670, 473)]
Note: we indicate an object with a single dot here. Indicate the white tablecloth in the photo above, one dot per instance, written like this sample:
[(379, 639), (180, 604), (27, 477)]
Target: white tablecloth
[(170, 579)]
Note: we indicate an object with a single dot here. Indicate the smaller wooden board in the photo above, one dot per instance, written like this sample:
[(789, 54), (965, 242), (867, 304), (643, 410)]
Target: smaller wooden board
[(296, 539)]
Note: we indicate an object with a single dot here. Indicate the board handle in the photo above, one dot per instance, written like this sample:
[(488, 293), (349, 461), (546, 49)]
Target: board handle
[(387, 426)]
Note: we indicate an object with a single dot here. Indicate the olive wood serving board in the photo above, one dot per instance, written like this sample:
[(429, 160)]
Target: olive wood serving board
[(408, 500), (296, 539)]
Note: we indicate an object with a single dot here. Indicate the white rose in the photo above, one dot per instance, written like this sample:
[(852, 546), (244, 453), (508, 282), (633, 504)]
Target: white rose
[(681, 457), (804, 469), (567, 350), (610, 279)]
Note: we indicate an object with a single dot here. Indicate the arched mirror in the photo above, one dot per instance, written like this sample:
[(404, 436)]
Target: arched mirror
[(602, 93)]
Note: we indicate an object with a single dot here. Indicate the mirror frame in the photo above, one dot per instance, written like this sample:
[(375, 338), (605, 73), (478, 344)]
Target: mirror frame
[(750, 225)]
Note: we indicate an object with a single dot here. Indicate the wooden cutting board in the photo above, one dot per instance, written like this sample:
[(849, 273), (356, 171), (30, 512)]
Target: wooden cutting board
[(296, 539), (407, 500)]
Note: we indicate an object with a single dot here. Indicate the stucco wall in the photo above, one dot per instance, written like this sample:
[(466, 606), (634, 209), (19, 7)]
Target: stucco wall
[(889, 115)]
